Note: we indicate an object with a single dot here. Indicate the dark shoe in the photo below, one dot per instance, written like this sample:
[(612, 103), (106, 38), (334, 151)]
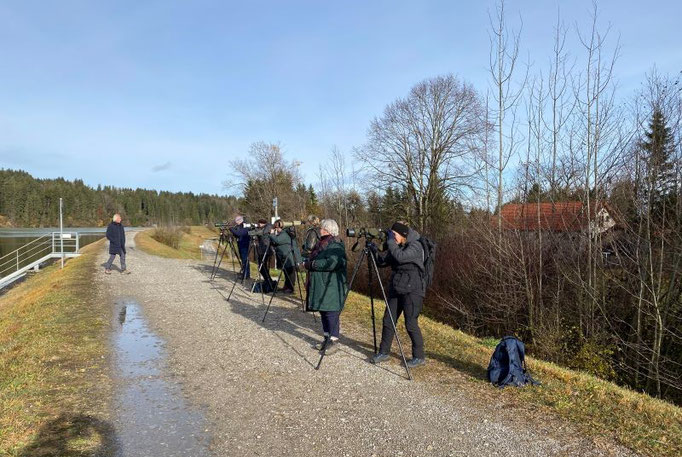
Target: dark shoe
[(415, 362), (378, 358), (287, 291)]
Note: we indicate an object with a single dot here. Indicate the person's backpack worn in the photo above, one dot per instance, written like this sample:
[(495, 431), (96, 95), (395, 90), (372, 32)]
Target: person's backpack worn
[(429, 248), (291, 230), (508, 364)]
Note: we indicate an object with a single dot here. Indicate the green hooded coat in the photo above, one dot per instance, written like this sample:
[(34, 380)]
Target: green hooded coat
[(327, 284)]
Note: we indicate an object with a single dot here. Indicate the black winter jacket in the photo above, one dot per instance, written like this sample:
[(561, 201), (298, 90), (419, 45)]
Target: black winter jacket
[(407, 265), (117, 238)]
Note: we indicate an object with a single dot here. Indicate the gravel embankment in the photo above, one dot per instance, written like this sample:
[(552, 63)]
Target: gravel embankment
[(256, 385)]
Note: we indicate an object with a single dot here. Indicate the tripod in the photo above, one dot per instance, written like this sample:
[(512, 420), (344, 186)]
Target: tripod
[(229, 241), (252, 248), (372, 269), (221, 240), (279, 276)]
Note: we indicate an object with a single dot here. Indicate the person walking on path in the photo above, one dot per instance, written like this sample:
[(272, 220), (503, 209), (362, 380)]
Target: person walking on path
[(117, 244), (327, 285)]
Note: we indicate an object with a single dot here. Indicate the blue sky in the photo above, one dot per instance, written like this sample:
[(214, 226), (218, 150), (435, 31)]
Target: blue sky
[(163, 94)]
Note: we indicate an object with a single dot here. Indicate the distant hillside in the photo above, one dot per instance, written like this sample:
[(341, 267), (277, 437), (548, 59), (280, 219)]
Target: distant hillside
[(29, 202)]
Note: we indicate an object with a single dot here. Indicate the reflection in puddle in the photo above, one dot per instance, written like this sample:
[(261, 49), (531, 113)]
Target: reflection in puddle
[(152, 417)]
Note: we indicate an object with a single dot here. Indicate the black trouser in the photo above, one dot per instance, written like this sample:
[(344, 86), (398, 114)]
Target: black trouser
[(331, 322), (411, 306)]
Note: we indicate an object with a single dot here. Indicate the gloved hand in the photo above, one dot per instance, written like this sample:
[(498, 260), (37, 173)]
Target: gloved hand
[(373, 248), (390, 234)]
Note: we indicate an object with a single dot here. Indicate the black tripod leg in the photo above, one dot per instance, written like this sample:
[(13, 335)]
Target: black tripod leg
[(215, 258), (242, 273), (323, 351), (279, 276), (390, 315), (355, 272), (371, 301), (263, 265), (215, 271), (245, 263)]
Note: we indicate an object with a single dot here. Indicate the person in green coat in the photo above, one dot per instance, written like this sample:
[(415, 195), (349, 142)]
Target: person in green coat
[(288, 254), (327, 284)]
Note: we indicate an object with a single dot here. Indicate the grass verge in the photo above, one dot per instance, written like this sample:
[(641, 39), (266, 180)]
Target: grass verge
[(54, 381), (188, 248), (599, 408)]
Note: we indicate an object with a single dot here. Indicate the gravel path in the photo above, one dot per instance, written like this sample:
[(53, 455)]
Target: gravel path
[(256, 386)]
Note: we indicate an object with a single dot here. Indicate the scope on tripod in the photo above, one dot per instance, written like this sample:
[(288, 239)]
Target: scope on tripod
[(286, 224), (369, 233)]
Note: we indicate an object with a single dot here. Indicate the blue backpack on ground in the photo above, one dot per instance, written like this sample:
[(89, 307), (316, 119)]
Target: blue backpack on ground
[(508, 364)]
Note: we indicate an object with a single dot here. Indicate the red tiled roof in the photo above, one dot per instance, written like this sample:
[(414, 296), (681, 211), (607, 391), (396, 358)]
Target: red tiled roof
[(557, 216)]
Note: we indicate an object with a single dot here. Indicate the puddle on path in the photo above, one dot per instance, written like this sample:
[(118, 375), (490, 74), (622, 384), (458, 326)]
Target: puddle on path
[(152, 418)]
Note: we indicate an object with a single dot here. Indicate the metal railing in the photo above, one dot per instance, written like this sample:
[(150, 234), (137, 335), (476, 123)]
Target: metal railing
[(49, 246)]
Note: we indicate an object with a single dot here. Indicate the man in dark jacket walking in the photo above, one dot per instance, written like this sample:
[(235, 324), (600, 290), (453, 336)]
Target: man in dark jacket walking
[(117, 244), (242, 234), (406, 291)]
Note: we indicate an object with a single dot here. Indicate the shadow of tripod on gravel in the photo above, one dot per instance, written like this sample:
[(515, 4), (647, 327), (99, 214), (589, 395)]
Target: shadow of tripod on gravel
[(299, 325), (292, 321), (73, 435)]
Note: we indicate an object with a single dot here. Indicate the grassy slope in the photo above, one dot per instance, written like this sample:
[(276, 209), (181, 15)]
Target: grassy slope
[(647, 425), (54, 381), (188, 248), (637, 421)]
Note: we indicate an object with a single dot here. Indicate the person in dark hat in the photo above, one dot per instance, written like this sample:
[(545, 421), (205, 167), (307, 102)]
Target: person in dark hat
[(405, 256)]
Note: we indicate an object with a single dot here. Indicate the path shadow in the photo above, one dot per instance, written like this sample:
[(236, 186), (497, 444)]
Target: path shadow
[(73, 435), (283, 318), (113, 266), (294, 322)]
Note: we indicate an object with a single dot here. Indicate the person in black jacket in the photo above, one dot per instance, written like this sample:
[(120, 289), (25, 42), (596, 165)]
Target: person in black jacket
[(406, 291), (117, 244), (242, 234)]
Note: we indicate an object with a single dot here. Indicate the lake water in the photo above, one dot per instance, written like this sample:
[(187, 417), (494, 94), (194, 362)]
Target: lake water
[(14, 238), (11, 239)]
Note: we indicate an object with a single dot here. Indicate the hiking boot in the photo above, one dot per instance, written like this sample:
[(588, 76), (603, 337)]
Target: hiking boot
[(415, 362), (378, 358), (107, 272)]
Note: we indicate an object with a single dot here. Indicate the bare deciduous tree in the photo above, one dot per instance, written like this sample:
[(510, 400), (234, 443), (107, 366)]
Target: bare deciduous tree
[(426, 144)]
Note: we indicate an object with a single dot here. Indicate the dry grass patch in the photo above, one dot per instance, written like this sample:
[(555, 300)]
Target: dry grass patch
[(54, 383), (599, 408), (189, 243)]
